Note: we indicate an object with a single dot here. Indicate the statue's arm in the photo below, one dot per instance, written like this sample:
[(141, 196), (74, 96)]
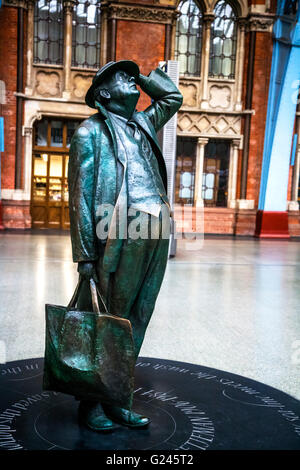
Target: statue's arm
[(166, 97), (81, 189)]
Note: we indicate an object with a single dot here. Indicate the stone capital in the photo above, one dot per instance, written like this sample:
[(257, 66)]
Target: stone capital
[(202, 141), (27, 131), (236, 143), (208, 18), (68, 6), (242, 22), (261, 22), (31, 4)]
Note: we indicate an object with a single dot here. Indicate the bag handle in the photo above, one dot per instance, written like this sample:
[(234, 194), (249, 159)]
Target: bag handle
[(74, 298), (94, 294)]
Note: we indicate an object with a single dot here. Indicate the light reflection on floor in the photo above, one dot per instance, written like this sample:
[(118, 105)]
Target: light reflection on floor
[(228, 304)]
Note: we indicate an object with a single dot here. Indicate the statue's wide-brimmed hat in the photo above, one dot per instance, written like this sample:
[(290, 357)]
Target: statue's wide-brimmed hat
[(126, 65)]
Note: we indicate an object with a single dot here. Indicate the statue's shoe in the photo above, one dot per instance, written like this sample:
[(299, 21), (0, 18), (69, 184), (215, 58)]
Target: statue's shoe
[(91, 414), (126, 417)]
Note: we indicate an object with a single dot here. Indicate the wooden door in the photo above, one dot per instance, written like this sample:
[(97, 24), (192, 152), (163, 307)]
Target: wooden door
[(185, 171), (49, 194), (49, 202), (39, 190), (215, 173)]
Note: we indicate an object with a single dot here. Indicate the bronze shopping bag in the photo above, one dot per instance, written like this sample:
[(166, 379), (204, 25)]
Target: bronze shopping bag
[(89, 354)]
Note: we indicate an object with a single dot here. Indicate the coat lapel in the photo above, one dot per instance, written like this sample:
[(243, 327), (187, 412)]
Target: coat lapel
[(104, 115), (140, 119)]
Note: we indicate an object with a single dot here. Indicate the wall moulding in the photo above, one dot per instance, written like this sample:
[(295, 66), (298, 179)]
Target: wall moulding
[(48, 83), (37, 109), (16, 3), (190, 92), (80, 85), (148, 14), (219, 96), (206, 124)]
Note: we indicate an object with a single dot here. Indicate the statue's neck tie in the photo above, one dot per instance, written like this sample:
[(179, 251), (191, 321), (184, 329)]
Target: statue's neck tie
[(136, 132), (139, 137)]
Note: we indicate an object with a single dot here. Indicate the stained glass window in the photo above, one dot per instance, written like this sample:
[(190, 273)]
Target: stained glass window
[(48, 32), (223, 42), (86, 34), (189, 38)]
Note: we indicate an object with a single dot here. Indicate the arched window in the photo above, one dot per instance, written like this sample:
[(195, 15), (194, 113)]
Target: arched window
[(223, 41), (86, 34), (189, 38), (48, 32)]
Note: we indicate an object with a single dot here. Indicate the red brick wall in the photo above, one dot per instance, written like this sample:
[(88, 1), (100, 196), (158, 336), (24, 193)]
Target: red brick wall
[(16, 214), (8, 73), (144, 43), (262, 67)]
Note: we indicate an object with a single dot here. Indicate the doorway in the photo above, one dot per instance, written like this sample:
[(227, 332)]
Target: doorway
[(49, 188), (185, 170), (215, 173)]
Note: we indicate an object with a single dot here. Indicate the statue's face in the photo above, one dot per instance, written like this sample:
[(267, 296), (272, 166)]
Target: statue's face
[(121, 87)]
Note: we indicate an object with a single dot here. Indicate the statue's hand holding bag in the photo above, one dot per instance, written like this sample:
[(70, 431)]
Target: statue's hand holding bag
[(89, 354)]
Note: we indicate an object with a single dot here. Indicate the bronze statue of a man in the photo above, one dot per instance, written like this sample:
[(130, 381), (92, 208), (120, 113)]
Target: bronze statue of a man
[(115, 161)]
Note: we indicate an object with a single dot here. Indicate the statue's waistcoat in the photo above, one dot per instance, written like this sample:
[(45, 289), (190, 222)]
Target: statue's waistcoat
[(109, 184), (97, 175)]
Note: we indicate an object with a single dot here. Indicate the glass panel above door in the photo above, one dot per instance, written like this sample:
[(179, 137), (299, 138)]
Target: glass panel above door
[(56, 134), (41, 132), (71, 127)]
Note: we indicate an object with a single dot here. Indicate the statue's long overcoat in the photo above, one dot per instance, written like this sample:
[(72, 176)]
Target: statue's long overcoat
[(97, 173)]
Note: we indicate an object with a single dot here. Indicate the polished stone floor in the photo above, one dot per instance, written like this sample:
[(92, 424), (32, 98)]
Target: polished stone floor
[(228, 304)]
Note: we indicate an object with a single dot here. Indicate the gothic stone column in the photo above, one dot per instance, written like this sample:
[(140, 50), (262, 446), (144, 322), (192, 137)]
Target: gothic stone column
[(233, 173), (30, 26), (208, 19), (202, 141), (68, 16)]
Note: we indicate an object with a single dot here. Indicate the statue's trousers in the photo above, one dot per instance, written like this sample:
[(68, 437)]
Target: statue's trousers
[(132, 290)]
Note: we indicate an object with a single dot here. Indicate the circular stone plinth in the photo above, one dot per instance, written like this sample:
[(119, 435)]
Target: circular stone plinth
[(191, 408)]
